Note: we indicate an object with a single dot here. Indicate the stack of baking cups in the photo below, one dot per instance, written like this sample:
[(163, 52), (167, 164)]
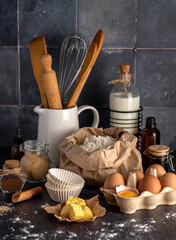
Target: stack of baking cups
[(62, 183)]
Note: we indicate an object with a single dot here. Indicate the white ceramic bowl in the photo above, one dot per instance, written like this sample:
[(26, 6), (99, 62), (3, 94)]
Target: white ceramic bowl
[(61, 195), (66, 177)]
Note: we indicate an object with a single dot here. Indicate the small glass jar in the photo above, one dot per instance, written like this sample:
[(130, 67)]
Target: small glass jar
[(35, 162), (12, 178), (124, 102), (160, 154)]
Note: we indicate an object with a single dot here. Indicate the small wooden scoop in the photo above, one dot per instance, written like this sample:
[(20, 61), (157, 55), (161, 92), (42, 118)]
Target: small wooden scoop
[(50, 83), (25, 195), (88, 63), (37, 48)]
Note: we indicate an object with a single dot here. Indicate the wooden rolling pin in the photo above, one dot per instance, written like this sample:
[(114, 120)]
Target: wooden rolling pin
[(50, 82), (37, 48), (25, 195)]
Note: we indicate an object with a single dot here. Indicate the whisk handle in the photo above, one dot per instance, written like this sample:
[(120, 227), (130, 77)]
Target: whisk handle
[(47, 62)]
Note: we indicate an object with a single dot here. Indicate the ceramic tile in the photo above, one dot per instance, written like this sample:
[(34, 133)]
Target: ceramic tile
[(8, 124), (29, 88), (155, 69), (86, 118), (96, 90), (115, 17), (156, 77), (9, 76), (156, 24), (8, 20), (52, 19), (165, 120), (29, 122)]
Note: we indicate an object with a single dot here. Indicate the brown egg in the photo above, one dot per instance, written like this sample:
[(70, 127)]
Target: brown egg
[(139, 175), (149, 183), (113, 180), (159, 169), (168, 180)]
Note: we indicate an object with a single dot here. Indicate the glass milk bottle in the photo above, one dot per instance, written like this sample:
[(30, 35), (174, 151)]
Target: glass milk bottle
[(124, 102)]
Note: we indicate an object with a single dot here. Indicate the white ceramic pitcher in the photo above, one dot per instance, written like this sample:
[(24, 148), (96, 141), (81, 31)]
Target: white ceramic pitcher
[(55, 125)]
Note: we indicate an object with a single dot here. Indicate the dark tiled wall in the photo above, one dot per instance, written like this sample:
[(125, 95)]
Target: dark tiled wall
[(139, 32)]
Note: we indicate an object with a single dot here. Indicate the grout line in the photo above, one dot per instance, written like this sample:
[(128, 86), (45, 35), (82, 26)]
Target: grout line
[(103, 106), (106, 48), (18, 50), (135, 43), (76, 16), (156, 49)]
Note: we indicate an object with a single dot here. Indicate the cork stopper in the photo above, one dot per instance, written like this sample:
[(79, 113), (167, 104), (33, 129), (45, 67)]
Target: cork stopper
[(125, 68), (12, 163)]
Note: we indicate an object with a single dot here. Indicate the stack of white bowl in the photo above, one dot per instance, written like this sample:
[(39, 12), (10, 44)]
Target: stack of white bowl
[(62, 183)]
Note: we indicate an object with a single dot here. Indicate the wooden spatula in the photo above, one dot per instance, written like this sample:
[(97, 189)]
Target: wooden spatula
[(37, 48), (50, 83), (88, 63)]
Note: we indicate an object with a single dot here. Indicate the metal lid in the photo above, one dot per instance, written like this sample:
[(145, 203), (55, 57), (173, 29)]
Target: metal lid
[(158, 150), (12, 163)]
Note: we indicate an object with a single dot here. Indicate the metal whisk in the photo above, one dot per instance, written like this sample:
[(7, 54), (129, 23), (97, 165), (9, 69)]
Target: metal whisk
[(73, 52)]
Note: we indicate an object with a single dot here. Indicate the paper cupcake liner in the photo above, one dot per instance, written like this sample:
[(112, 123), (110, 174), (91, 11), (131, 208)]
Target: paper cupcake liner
[(63, 176), (61, 186), (61, 195), (57, 186)]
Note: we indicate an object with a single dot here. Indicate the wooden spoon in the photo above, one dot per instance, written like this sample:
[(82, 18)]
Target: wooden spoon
[(88, 63), (37, 48)]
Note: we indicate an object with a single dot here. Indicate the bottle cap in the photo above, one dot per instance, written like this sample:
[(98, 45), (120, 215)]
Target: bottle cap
[(150, 122), (12, 163)]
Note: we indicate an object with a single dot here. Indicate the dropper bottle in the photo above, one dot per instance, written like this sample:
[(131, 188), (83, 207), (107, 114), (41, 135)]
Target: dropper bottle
[(150, 136), (15, 149)]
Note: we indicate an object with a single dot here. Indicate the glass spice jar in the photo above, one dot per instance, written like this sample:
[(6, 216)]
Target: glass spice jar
[(160, 154), (35, 162), (12, 178)]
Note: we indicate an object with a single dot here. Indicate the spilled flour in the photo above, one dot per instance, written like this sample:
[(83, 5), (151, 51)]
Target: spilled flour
[(5, 209), (25, 228)]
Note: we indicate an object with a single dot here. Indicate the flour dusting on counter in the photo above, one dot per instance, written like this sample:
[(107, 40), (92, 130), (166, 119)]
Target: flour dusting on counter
[(96, 142)]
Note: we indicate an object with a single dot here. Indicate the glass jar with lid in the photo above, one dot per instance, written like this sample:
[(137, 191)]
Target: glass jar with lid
[(160, 154), (35, 162), (124, 102), (12, 178)]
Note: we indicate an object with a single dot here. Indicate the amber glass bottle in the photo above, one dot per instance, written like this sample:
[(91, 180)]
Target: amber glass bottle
[(149, 136), (15, 150)]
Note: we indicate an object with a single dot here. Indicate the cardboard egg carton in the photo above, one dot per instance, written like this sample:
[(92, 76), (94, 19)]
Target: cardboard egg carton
[(146, 200)]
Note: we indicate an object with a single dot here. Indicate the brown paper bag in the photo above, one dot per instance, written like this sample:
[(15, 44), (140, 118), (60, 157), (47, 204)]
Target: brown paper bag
[(96, 166)]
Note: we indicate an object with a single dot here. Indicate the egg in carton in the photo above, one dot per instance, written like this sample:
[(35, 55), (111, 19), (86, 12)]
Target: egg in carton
[(145, 200)]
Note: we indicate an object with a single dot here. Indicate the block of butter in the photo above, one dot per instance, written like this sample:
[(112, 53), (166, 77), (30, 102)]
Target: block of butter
[(75, 200), (75, 209)]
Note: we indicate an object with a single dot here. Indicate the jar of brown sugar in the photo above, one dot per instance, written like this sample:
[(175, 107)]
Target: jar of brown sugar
[(12, 178), (35, 162)]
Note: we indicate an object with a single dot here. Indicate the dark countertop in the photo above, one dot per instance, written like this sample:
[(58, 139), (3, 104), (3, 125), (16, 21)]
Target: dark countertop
[(29, 220)]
